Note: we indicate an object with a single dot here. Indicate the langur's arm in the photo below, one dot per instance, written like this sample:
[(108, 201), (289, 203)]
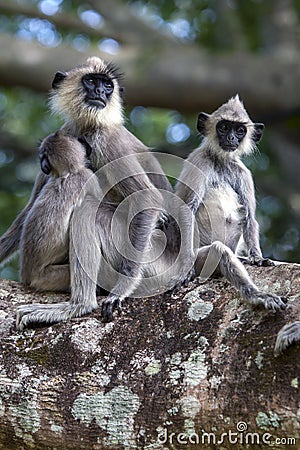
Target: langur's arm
[(251, 227), (143, 204), (193, 181), (9, 242)]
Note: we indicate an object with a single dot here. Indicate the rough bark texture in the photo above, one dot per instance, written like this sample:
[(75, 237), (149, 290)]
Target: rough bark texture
[(189, 370)]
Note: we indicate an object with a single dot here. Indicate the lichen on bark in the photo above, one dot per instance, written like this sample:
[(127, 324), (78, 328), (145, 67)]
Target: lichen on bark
[(181, 370)]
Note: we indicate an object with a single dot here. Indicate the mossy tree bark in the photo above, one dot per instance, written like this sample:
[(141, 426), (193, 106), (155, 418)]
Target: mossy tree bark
[(191, 370)]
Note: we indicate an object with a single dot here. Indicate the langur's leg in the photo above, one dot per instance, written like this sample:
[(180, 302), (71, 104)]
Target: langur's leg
[(219, 256), (288, 335), (54, 278), (83, 299), (137, 232)]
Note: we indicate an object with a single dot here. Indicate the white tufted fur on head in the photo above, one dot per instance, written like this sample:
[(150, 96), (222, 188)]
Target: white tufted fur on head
[(234, 111), (67, 99)]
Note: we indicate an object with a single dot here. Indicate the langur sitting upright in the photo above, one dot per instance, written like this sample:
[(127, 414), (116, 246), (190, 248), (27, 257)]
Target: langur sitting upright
[(219, 189), (88, 97), (44, 242)]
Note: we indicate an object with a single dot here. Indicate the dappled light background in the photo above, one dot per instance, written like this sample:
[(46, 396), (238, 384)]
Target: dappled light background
[(255, 27)]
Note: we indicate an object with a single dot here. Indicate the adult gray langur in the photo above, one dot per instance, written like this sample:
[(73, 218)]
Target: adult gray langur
[(219, 190), (88, 97)]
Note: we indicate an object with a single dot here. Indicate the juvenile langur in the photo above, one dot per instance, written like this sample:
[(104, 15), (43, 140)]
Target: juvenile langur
[(288, 335), (88, 97), (44, 242), (219, 190)]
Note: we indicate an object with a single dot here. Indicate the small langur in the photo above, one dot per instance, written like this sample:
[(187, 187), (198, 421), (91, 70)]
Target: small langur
[(219, 190), (288, 335), (44, 242)]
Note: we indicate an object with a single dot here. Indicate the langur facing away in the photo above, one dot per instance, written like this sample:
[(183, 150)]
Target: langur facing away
[(44, 242)]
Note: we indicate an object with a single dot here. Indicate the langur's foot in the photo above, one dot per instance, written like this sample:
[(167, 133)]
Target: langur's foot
[(41, 313), (268, 301), (257, 261), (111, 303), (185, 280), (288, 335), (47, 313)]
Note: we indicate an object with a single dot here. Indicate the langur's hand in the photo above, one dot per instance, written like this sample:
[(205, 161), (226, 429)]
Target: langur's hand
[(163, 220), (258, 261), (185, 280), (44, 161), (84, 142), (111, 303)]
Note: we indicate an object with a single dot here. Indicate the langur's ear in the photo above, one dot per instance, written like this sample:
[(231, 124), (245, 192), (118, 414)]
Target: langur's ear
[(121, 91), (58, 78), (258, 131), (202, 118)]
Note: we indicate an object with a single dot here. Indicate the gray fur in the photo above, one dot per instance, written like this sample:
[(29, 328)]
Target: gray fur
[(44, 241), (219, 190), (288, 335), (109, 140)]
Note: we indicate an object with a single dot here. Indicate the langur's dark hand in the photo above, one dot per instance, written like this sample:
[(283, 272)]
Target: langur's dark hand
[(111, 303), (260, 261), (84, 142), (163, 221), (45, 164), (185, 280)]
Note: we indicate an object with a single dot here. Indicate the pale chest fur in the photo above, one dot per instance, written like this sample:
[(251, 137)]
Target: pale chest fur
[(219, 215), (223, 200)]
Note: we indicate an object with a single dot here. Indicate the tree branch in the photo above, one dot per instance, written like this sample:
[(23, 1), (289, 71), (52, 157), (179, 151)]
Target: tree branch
[(180, 77), (129, 27), (63, 21), (120, 23), (193, 363)]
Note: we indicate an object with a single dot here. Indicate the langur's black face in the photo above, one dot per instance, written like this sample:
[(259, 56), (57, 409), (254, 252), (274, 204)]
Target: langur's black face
[(98, 89), (230, 134)]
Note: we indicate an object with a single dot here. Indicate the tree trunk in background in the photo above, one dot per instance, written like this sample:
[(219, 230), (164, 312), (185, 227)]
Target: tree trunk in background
[(192, 370), (160, 77)]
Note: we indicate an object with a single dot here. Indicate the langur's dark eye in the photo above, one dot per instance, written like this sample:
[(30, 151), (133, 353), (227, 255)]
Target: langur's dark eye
[(241, 131), (108, 86), (223, 127)]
